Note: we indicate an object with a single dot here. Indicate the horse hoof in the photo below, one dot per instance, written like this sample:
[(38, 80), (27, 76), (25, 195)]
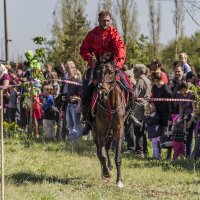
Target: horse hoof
[(110, 167), (120, 184), (106, 175)]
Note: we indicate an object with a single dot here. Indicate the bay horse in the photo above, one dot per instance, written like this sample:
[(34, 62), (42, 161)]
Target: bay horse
[(108, 118)]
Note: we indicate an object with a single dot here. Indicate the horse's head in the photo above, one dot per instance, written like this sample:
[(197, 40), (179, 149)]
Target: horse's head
[(105, 74)]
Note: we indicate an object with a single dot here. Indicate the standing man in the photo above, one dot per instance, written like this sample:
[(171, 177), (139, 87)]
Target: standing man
[(102, 42), (142, 89)]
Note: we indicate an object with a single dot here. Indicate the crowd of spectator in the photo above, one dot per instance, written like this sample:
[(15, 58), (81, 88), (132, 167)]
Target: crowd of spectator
[(57, 105), (168, 123)]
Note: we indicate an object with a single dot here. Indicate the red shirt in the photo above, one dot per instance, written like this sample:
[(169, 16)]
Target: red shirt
[(164, 78), (100, 42)]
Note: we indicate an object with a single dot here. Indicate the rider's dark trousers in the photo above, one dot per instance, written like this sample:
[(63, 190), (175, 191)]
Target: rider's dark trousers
[(87, 89)]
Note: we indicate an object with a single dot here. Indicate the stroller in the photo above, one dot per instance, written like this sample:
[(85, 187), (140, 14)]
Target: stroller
[(167, 137)]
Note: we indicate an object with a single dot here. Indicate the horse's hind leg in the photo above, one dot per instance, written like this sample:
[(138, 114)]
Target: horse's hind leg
[(108, 144), (118, 160)]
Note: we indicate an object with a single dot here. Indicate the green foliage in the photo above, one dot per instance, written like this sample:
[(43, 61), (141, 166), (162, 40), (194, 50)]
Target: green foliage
[(139, 51), (196, 92), (190, 45), (38, 40), (39, 52), (68, 36), (11, 130), (34, 61)]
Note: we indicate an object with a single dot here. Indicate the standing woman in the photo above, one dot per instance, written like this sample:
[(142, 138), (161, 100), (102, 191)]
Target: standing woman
[(4, 81), (163, 108), (73, 113), (186, 110)]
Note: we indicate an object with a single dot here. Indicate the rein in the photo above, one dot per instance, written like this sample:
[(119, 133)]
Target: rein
[(108, 110), (112, 80)]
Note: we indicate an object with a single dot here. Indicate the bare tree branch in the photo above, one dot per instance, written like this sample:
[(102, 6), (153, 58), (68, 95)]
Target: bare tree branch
[(190, 14)]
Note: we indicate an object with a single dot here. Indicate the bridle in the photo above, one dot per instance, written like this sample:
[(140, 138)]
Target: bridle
[(100, 87)]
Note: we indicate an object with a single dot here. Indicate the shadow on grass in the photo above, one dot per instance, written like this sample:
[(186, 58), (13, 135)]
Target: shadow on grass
[(173, 165), (22, 177)]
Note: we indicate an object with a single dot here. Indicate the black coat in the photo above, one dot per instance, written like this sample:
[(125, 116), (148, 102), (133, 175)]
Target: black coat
[(152, 126)]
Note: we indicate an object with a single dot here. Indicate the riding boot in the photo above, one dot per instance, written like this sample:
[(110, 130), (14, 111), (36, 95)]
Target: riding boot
[(131, 114), (86, 120)]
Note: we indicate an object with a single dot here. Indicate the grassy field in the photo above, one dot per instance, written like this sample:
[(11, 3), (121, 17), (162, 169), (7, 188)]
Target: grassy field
[(56, 171)]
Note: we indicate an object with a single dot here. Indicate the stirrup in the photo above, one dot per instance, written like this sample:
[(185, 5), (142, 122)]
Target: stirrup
[(86, 128)]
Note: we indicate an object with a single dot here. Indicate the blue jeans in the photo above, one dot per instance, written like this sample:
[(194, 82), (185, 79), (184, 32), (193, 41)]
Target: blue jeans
[(74, 126)]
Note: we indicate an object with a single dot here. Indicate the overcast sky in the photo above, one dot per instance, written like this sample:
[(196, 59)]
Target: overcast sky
[(30, 18)]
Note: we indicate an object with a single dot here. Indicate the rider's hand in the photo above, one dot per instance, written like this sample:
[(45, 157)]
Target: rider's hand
[(93, 57), (93, 60)]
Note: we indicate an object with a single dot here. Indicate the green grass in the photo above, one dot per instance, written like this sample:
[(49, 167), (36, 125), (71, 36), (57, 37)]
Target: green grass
[(56, 171)]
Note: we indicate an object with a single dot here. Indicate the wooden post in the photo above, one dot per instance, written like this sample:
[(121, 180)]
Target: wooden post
[(6, 32), (2, 145)]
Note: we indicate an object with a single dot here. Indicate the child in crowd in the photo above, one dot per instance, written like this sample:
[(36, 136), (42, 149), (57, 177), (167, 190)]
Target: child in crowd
[(12, 103), (183, 61), (153, 128), (178, 136), (49, 114), (37, 112)]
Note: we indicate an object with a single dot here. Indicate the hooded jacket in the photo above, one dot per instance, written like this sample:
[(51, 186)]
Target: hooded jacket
[(102, 42)]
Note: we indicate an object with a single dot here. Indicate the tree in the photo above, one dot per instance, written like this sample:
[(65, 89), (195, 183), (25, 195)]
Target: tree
[(190, 45), (68, 36), (35, 60), (155, 27), (192, 8), (126, 16), (178, 19), (139, 51), (106, 5)]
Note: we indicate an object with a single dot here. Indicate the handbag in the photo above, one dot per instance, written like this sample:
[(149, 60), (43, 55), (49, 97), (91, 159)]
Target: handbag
[(166, 138)]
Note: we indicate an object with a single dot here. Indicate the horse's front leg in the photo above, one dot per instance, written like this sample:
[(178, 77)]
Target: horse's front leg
[(101, 152), (108, 144), (118, 159)]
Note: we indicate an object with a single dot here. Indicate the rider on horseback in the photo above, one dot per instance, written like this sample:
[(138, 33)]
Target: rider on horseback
[(103, 42)]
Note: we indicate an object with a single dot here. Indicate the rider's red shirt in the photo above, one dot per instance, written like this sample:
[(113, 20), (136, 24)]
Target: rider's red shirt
[(102, 42)]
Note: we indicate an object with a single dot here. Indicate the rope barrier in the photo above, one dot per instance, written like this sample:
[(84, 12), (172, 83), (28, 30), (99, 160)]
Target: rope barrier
[(35, 82), (166, 100), (80, 84)]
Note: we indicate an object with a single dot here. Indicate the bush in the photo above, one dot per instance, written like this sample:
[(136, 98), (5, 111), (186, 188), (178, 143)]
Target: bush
[(11, 130)]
